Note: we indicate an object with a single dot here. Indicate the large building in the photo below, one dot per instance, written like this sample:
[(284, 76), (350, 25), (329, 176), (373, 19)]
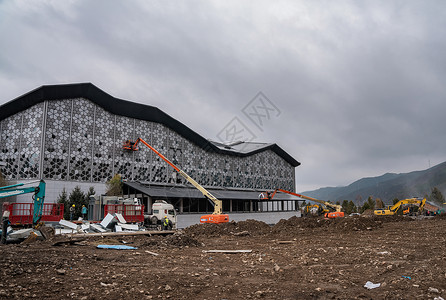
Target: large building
[(72, 135)]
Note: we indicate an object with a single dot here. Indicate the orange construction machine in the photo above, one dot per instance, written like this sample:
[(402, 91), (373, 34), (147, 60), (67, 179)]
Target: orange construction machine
[(336, 209), (217, 216)]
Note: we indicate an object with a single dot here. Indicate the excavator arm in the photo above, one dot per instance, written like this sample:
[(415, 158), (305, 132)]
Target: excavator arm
[(38, 196), (217, 216), (335, 207)]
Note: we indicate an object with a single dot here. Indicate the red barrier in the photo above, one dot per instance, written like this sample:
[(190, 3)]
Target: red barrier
[(131, 213), (22, 213)]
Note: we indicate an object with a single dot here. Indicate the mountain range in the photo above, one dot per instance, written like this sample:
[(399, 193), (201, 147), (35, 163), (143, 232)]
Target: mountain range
[(387, 187)]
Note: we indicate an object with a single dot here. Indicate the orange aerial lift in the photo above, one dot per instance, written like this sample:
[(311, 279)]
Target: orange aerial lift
[(335, 214), (217, 216)]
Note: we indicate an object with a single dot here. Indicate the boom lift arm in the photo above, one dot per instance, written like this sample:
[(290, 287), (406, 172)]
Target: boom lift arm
[(335, 207), (38, 197), (217, 216)]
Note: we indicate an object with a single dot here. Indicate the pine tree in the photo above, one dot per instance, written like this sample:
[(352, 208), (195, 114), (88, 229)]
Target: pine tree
[(365, 206), (77, 197), (345, 206), (63, 199), (351, 207)]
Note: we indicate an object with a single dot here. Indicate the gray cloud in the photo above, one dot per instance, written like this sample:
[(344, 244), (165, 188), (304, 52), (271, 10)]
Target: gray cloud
[(359, 84)]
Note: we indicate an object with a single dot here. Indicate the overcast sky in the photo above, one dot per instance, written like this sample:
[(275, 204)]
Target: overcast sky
[(351, 89)]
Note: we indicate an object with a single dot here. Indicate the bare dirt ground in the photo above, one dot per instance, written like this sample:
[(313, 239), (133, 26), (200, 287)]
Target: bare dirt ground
[(295, 259)]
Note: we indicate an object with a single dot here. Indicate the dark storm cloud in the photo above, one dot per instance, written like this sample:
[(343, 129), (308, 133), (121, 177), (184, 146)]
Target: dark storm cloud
[(359, 83)]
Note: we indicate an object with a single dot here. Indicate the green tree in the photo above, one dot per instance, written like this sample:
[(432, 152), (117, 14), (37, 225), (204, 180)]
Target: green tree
[(63, 199), (345, 206), (365, 206), (77, 197), (114, 186), (436, 196), (371, 202), (351, 207)]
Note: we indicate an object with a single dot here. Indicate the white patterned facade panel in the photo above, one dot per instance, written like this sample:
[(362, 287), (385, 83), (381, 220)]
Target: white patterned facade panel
[(81, 141), (31, 140), (10, 146), (103, 150), (57, 140)]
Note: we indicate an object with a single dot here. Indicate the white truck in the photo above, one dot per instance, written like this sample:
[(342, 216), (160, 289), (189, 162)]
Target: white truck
[(160, 209)]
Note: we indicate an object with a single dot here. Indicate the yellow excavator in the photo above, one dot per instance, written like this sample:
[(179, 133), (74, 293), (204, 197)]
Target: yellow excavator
[(217, 216), (397, 208)]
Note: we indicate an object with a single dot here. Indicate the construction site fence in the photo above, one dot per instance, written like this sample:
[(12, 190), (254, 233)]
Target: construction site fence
[(131, 213), (22, 213)]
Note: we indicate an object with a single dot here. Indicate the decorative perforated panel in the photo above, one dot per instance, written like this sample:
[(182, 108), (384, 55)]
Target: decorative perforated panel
[(83, 142)]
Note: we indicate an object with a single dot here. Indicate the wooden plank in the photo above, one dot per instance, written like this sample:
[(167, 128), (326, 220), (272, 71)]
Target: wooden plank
[(124, 233), (150, 252), (227, 251)]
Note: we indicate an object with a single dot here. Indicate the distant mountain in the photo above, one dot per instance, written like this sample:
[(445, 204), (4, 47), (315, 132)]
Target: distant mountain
[(387, 186)]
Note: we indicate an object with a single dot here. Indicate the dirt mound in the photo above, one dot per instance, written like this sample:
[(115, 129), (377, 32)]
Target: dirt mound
[(176, 240), (350, 224), (251, 227)]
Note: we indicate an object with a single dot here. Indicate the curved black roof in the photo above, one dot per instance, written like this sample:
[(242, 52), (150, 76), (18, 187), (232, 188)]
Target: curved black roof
[(124, 108)]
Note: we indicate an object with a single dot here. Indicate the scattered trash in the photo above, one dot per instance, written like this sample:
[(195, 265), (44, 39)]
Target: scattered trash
[(116, 247), (408, 277), (383, 252), (438, 298), (370, 285), (433, 290)]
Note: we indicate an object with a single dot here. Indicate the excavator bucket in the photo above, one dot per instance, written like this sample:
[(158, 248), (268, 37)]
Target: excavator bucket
[(216, 219)]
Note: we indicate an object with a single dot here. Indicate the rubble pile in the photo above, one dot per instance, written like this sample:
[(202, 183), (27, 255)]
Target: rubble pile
[(248, 227), (177, 240), (110, 223)]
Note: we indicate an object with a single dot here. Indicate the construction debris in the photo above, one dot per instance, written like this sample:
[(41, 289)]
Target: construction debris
[(150, 252), (116, 247), (227, 251)]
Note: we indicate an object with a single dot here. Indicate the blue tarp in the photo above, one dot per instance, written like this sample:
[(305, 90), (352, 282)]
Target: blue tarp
[(117, 247)]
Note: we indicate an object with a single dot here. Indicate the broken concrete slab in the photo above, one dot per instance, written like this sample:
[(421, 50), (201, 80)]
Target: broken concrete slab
[(60, 231), (69, 224), (23, 233), (120, 218), (97, 228), (85, 226), (107, 220), (133, 227), (118, 228)]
